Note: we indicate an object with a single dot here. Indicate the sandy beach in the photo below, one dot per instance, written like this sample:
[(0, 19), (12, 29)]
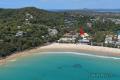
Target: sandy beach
[(59, 47)]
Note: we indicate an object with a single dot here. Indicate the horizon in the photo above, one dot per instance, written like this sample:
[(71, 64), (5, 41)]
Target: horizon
[(62, 9), (61, 4)]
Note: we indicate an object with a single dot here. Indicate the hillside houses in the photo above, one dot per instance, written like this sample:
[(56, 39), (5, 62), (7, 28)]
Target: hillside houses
[(28, 17)]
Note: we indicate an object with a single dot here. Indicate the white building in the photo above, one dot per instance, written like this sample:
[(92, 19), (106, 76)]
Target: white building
[(89, 25), (53, 32), (19, 33), (18, 27), (118, 34), (84, 41), (109, 39), (69, 38)]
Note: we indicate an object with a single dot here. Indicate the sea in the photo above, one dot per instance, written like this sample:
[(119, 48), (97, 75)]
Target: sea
[(61, 66)]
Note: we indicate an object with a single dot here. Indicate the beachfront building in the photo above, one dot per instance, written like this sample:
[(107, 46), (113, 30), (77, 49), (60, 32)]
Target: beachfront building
[(109, 39), (69, 38), (118, 35), (84, 41), (117, 44), (113, 40), (84, 37)]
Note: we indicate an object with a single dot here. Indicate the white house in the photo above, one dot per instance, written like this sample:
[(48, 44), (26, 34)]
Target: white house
[(18, 27), (109, 39), (19, 33), (118, 34), (69, 38), (53, 32)]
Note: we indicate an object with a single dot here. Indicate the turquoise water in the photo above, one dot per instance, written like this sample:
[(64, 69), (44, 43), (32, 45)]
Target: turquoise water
[(61, 67)]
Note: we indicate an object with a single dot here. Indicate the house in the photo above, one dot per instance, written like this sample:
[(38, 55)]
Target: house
[(52, 32), (89, 25), (117, 22), (109, 39), (69, 38), (29, 16), (113, 40), (19, 33), (118, 35), (1, 40), (84, 41), (117, 43), (84, 37), (18, 27)]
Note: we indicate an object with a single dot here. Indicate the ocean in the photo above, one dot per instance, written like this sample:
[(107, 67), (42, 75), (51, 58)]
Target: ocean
[(60, 66)]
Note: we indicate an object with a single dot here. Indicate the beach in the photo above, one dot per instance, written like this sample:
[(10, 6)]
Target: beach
[(63, 47)]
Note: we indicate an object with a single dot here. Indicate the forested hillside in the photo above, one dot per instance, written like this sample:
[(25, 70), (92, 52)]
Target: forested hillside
[(26, 28)]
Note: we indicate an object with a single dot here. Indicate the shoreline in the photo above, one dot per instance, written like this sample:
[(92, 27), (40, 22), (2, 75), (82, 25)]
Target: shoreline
[(62, 47)]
